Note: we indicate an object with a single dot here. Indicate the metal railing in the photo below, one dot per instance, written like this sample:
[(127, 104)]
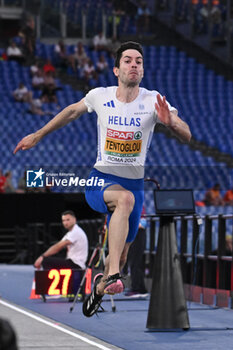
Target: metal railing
[(205, 260)]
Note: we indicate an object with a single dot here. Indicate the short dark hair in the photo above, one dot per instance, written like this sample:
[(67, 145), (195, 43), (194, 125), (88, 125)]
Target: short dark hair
[(68, 212), (129, 45)]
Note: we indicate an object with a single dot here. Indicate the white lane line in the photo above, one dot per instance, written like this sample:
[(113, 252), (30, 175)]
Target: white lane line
[(64, 330)]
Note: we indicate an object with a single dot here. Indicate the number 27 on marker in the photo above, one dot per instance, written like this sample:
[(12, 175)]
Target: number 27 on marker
[(56, 275)]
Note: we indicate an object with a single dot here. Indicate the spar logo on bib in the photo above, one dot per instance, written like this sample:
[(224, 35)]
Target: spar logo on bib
[(123, 143), (138, 135)]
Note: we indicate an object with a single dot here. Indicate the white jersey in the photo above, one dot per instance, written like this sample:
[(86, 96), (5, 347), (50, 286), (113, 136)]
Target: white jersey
[(77, 251), (124, 130)]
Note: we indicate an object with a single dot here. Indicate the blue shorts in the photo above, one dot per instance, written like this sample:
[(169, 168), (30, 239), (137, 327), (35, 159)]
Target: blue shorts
[(95, 197)]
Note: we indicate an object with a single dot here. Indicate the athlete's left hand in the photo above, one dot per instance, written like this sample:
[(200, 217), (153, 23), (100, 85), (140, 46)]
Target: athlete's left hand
[(163, 111)]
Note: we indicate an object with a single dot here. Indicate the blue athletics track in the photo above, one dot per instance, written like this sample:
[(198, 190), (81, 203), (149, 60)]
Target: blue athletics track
[(50, 325)]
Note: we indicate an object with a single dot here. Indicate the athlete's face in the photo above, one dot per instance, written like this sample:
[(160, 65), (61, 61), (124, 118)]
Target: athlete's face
[(68, 221), (130, 72)]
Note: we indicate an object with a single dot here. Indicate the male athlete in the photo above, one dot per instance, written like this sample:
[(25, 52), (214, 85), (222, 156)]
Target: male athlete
[(127, 115)]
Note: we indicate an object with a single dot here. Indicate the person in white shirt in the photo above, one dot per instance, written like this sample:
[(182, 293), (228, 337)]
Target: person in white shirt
[(100, 42), (38, 80), (14, 52), (22, 94), (127, 115), (76, 243), (79, 55), (88, 70), (35, 67)]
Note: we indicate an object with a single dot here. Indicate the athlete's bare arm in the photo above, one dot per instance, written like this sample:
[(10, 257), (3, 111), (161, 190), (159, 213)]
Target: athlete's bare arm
[(67, 115), (172, 121)]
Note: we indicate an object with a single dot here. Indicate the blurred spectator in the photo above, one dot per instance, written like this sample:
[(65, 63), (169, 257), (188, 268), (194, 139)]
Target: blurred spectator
[(102, 65), (228, 197), (49, 89), (49, 95), (36, 106), (89, 71), (49, 80), (38, 80), (29, 38), (14, 52), (213, 196), (48, 67), (195, 16), (143, 18), (2, 182), (215, 13), (203, 17), (216, 19), (77, 60), (100, 42), (22, 94), (35, 67), (9, 188), (62, 60)]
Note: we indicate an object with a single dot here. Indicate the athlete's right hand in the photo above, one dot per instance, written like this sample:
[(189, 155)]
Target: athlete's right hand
[(27, 142)]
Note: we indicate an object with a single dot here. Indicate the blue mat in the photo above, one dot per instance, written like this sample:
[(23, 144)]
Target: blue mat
[(211, 328)]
